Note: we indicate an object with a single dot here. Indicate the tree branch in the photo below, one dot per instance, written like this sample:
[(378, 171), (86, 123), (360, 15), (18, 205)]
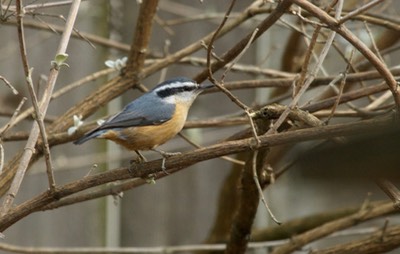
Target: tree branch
[(357, 43), (29, 151), (182, 161), (384, 240), (247, 207), (364, 214)]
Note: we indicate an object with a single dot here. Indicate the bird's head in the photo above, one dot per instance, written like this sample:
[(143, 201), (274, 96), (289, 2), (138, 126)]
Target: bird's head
[(179, 90)]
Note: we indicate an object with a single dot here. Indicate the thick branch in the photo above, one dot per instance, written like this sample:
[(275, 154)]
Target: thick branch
[(247, 207), (141, 39), (179, 162)]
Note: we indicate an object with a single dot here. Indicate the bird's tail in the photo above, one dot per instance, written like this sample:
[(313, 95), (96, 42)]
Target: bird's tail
[(92, 134)]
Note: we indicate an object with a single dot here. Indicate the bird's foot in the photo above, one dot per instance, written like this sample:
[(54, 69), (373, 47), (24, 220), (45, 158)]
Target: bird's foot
[(163, 167), (139, 159), (132, 166), (165, 155)]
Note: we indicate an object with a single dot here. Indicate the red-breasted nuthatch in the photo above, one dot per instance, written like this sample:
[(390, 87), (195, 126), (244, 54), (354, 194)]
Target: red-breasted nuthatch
[(152, 119)]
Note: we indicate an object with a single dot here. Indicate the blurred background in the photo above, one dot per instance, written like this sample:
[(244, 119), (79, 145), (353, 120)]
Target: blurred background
[(181, 208)]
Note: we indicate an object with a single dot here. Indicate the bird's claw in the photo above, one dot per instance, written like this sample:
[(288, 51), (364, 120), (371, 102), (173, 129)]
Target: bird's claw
[(140, 158), (166, 154), (132, 163), (163, 167)]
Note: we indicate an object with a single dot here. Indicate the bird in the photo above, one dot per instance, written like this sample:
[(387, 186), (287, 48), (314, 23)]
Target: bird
[(152, 119)]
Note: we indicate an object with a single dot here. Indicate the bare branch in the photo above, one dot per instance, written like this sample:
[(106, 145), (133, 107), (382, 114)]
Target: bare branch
[(39, 119), (381, 241), (30, 145), (359, 10), (391, 190), (178, 162), (357, 43), (330, 227), (9, 85)]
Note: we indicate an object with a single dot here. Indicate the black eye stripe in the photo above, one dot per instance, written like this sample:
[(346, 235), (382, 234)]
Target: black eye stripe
[(168, 91)]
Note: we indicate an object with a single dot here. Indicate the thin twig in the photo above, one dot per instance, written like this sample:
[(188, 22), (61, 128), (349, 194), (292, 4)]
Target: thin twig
[(310, 78), (341, 88), (1, 156), (342, 79), (357, 43), (209, 53), (7, 127), (373, 43), (191, 142), (44, 5), (29, 148), (30, 145), (236, 60), (194, 248), (85, 80), (62, 91), (359, 10), (260, 191), (9, 85), (391, 190), (39, 119), (307, 60), (59, 29), (253, 128), (220, 84), (80, 35), (378, 101), (12, 121)]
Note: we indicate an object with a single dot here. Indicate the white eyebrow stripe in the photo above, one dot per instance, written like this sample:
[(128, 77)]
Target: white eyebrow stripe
[(175, 85)]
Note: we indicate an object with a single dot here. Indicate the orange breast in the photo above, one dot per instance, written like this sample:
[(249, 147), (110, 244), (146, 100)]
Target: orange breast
[(148, 137)]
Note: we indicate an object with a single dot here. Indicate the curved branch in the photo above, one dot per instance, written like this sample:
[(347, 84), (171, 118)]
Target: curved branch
[(357, 43), (364, 214), (382, 241)]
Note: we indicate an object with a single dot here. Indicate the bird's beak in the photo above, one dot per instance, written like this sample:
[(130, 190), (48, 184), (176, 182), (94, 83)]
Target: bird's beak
[(205, 86)]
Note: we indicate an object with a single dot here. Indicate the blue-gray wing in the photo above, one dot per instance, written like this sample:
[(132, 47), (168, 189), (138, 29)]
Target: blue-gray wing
[(141, 112)]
